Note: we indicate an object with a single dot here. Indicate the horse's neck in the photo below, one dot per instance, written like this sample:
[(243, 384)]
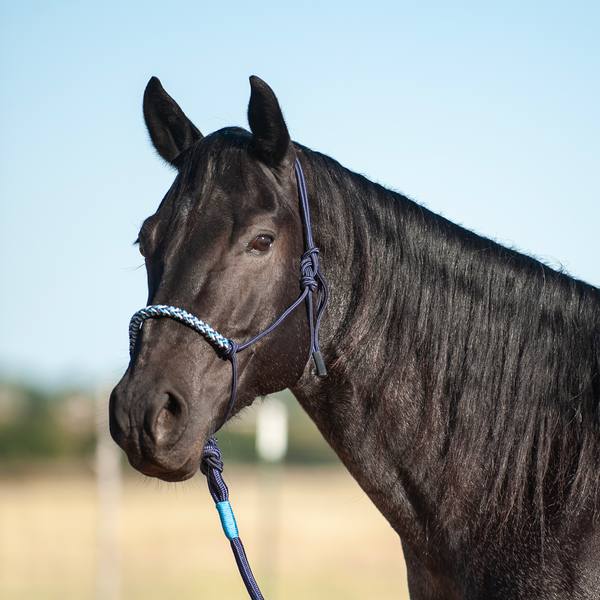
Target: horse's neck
[(421, 345), (358, 226)]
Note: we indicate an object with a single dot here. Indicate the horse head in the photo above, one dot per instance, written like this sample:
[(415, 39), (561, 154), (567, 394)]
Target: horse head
[(225, 245)]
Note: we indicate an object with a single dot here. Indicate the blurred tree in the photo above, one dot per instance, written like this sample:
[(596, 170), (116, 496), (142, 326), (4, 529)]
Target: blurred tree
[(39, 425)]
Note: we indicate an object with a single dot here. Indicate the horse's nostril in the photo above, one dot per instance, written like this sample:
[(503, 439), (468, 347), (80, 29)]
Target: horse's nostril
[(167, 419)]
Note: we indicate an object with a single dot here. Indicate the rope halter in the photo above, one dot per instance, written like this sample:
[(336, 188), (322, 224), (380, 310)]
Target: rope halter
[(312, 280)]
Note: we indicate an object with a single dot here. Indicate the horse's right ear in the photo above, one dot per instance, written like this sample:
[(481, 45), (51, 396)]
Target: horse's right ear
[(170, 130), (271, 137)]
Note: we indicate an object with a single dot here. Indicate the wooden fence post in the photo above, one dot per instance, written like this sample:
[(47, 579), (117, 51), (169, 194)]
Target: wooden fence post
[(108, 479)]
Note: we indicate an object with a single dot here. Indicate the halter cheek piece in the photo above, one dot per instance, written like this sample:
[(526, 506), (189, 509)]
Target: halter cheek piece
[(211, 465)]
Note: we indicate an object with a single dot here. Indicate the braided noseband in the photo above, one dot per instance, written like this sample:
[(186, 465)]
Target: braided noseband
[(211, 465)]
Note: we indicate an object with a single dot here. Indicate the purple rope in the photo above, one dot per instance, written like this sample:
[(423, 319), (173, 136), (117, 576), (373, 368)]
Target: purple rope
[(312, 276), (211, 464)]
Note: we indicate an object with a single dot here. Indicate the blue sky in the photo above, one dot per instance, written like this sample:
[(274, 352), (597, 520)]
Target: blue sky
[(485, 112)]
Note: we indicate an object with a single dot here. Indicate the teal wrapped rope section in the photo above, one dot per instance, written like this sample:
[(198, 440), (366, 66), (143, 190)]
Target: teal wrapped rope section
[(227, 520)]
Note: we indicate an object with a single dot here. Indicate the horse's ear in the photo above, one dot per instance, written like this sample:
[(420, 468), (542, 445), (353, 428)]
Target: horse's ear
[(271, 137), (170, 130)]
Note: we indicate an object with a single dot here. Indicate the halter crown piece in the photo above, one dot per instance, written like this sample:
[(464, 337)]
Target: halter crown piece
[(211, 464)]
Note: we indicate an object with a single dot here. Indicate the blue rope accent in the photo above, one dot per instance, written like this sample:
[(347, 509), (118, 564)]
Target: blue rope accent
[(227, 519)]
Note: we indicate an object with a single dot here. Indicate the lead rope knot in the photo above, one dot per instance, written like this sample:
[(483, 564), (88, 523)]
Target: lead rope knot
[(211, 457)]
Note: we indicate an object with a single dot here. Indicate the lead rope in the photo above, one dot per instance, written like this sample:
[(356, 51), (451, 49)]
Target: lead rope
[(211, 464)]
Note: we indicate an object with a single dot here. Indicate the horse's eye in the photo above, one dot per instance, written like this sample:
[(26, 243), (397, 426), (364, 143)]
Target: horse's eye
[(138, 243), (261, 243)]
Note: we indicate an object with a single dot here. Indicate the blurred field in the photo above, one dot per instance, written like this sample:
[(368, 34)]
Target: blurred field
[(326, 539)]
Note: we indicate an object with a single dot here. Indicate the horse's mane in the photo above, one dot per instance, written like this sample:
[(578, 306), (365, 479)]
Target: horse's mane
[(493, 353)]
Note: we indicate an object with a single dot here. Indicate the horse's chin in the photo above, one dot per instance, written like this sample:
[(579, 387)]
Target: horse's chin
[(176, 476), (167, 472)]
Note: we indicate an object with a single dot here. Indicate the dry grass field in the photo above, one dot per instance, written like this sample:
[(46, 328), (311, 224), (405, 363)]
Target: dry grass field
[(308, 532)]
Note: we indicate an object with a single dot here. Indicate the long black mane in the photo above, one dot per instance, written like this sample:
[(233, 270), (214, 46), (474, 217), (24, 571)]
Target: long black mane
[(477, 336)]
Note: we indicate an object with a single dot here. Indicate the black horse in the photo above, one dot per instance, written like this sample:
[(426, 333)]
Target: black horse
[(463, 380)]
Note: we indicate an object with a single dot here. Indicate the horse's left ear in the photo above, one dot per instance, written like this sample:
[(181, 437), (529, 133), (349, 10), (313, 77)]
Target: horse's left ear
[(271, 137)]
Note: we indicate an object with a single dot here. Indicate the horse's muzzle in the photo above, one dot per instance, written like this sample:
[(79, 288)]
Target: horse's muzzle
[(153, 428)]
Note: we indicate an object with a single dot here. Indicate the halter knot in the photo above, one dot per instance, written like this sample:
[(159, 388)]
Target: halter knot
[(228, 352), (309, 266)]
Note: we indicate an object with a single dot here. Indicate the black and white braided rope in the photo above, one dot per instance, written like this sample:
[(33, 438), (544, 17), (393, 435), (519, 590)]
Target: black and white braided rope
[(183, 316)]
